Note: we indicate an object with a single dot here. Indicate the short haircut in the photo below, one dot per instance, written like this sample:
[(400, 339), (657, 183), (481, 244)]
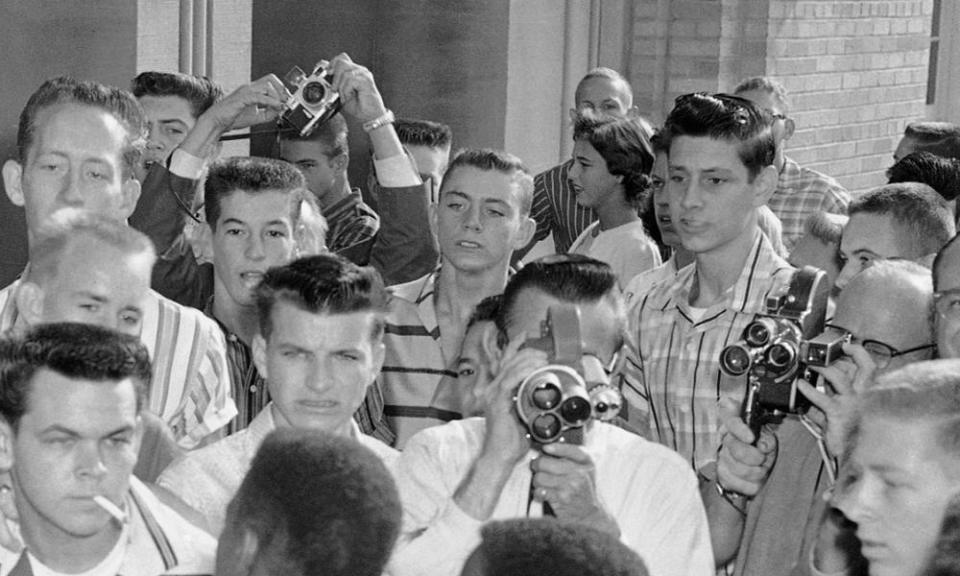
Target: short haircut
[(924, 392), (65, 90), (940, 173), (624, 144), (73, 350), (940, 138), (331, 134), (938, 260), (252, 175), (57, 236), (725, 117), (766, 84), (322, 284), (496, 161), (922, 214), (550, 547), (423, 133), (572, 278), (318, 504), (827, 229), (486, 310), (610, 74), (199, 91)]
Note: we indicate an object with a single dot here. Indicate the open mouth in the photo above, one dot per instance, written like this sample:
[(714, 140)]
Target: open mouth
[(251, 279), (468, 244)]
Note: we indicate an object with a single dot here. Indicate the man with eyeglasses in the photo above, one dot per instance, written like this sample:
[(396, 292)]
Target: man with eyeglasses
[(800, 191), (767, 514)]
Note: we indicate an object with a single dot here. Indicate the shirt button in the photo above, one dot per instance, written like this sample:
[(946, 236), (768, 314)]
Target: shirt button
[(253, 389)]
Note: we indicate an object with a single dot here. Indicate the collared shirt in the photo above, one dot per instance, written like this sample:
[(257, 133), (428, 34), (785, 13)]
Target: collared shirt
[(414, 359), (627, 248), (639, 285), (555, 208), (191, 386), (673, 384), (801, 192), (159, 541), (250, 392), (206, 479), (352, 227), (649, 490)]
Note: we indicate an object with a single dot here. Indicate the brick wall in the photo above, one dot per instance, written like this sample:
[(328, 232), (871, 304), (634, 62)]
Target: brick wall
[(856, 70)]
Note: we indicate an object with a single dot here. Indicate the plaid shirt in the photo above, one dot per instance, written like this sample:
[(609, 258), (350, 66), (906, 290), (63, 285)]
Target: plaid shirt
[(673, 382), (801, 192), (352, 228), (555, 208)]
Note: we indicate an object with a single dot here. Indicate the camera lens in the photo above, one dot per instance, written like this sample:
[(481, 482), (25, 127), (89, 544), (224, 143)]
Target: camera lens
[(313, 93), (757, 333), (576, 410), (780, 357), (735, 360), (546, 427), (546, 396)]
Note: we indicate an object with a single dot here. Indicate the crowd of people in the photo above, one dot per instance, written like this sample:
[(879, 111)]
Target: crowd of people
[(252, 366)]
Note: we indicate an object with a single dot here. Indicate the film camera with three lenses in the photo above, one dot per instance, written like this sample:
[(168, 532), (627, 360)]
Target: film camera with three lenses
[(556, 401), (313, 101), (777, 347)]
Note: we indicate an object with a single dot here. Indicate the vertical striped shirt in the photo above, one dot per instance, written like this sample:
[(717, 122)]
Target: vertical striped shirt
[(555, 208), (352, 228), (672, 381), (801, 192), (414, 360), (191, 382)]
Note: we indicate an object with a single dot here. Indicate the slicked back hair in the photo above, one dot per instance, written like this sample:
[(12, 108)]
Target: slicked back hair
[(725, 117), (332, 135), (58, 234), (73, 350), (624, 144), (252, 175), (921, 213), (322, 284), (319, 504), (550, 547), (940, 138), (940, 173), (199, 91), (495, 161), (486, 310), (65, 90), (423, 133)]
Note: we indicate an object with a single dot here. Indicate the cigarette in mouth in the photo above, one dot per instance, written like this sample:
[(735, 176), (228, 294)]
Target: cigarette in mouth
[(111, 508)]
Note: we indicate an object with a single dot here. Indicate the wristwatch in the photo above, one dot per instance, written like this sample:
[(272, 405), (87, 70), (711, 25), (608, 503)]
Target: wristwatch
[(382, 120)]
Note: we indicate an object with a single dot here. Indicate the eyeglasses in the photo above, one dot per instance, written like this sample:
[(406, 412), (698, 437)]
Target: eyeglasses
[(881, 352), (947, 304)]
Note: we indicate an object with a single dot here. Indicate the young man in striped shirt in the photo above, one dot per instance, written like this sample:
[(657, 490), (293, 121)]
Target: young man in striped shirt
[(78, 144), (482, 217)]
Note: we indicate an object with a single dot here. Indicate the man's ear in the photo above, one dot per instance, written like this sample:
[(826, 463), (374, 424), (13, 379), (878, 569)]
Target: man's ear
[(764, 185), (29, 298), (12, 181), (434, 206), (491, 347), (340, 162), (528, 227), (130, 194), (247, 552), (7, 439), (789, 126), (379, 351), (259, 349), (204, 242), (573, 115)]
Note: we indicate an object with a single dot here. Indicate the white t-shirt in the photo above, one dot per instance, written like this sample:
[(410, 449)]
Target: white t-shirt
[(626, 248)]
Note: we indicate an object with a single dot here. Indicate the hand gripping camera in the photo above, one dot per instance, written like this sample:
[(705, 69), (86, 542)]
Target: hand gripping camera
[(313, 101), (556, 401), (777, 347)]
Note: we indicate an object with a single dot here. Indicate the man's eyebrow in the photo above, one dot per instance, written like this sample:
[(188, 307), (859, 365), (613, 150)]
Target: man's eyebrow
[(91, 295), (234, 221), (169, 121)]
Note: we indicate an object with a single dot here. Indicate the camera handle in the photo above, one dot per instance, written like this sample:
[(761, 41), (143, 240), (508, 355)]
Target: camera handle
[(753, 414)]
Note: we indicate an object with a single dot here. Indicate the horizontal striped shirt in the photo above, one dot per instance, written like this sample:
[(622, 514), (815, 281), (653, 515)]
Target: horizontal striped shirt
[(414, 360), (672, 381), (191, 381), (555, 208), (801, 192)]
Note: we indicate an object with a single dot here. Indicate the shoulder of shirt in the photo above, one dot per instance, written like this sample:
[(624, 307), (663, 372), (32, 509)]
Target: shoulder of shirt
[(455, 434), (813, 175), (185, 312), (616, 440), (184, 535), (558, 169), (409, 291)]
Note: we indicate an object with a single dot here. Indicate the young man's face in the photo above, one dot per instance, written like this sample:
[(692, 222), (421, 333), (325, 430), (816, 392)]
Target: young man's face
[(661, 200), (75, 161), (866, 239), (900, 482), (254, 232), (171, 119), (604, 96), (318, 366), (473, 369), (591, 181), (947, 320), (98, 284), (78, 439), (478, 219), (712, 198), (320, 171)]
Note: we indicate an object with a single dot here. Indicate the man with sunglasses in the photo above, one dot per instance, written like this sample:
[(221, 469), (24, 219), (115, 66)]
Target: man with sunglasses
[(800, 191), (767, 511)]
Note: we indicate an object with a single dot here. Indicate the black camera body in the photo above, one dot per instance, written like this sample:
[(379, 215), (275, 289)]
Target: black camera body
[(777, 348), (313, 101), (556, 401)]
